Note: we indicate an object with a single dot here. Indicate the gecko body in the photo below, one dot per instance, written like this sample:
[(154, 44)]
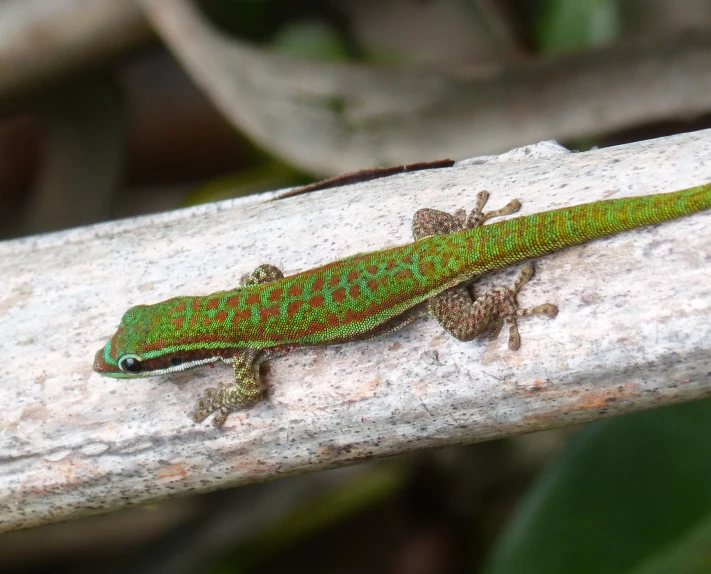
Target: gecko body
[(369, 294)]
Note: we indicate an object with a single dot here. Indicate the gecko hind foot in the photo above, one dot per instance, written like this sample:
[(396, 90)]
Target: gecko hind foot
[(547, 309), (466, 317)]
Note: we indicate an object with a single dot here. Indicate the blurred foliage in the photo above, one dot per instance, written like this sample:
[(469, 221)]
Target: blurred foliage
[(311, 40), (630, 494), (262, 20), (268, 174), (352, 497), (309, 32), (565, 25)]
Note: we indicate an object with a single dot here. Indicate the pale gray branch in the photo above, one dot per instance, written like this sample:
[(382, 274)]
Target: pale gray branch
[(633, 332)]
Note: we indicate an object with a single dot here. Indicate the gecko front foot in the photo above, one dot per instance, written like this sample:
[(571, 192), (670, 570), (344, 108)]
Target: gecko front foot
[(210, 403), (222, 400), (246, 391)]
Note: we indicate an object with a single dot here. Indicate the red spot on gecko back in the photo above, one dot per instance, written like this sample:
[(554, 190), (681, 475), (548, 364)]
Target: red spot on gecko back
[(232, 301), (355, 316), (354, 291), (212, 303), (240, 316), (426, 268), (220, 316), (252, 299), (352, 276), (294, 290), (318, 284), (195, 304), (275, 294), (372, 269), (403, 274), (317, 327), (338, 295), (293, 307), (266, 312), (316, 300), (334, 280), (179, 308), (178, 322)]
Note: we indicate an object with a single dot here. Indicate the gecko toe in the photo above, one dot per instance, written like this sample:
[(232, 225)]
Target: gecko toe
[(220, 417), (200, 414), (549, 310)]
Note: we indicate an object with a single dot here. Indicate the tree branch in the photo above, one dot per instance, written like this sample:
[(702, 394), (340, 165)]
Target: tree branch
[(42, 42), (633, 332)]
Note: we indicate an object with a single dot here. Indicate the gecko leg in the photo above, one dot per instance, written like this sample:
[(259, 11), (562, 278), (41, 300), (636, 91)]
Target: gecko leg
[(246, 391), (466, 319), (458, 310), (435, 222)]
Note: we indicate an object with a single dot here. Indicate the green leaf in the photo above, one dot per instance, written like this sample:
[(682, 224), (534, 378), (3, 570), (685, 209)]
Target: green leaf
[(326, 508), (691, 554), (567, 25), (632, 495), (313, 40)]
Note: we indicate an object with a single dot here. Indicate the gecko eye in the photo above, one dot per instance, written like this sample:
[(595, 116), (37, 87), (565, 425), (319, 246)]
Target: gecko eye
[(130, 364), (175, 361)]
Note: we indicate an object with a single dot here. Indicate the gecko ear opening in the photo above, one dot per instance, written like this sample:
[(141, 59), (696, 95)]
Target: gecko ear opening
[(130, 364)]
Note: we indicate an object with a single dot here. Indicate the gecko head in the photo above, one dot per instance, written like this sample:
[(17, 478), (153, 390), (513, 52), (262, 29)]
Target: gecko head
[(140, 346), (121, 356), (126, 366)]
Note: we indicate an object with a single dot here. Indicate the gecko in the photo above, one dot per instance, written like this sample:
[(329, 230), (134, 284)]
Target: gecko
[(370, 294)]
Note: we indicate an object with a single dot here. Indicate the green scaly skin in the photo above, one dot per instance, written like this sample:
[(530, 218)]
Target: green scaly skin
[(369, 294)]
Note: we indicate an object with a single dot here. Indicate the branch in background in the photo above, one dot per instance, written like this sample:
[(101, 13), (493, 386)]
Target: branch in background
[(337, 118), (42, 42), (332, 119)]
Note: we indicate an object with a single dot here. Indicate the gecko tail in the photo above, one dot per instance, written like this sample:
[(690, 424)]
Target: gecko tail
[(503, 243)]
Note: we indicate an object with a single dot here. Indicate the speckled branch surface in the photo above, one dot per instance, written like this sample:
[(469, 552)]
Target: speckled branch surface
[(633, 332)]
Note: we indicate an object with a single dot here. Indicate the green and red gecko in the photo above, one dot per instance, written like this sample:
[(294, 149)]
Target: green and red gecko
[(369, 294)]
